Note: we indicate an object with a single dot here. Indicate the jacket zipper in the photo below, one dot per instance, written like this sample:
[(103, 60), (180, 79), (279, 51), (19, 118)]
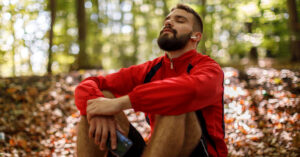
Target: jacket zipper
[(172, 67), (203, 145)]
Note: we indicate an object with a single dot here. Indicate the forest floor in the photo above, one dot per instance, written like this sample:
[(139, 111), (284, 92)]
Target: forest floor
[(262, 113)]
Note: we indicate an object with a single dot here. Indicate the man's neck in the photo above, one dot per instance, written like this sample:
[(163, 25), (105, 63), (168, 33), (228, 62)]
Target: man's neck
[(177, 53)]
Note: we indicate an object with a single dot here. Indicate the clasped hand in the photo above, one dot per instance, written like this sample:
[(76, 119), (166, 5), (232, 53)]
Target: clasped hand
[(102, 106), (101, 127), (100, 113)]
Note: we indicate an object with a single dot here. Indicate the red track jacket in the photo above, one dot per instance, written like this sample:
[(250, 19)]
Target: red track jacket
[(171, 91)]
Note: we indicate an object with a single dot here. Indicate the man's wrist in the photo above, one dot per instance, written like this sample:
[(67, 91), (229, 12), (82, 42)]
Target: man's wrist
[(124, 102)]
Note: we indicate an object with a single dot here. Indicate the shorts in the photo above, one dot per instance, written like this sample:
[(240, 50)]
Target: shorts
[(138, 146)]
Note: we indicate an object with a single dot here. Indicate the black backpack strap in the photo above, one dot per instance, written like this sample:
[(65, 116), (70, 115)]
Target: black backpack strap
[(204, 129), (148, 78), (152, 72), (223, 123), (189, 68)]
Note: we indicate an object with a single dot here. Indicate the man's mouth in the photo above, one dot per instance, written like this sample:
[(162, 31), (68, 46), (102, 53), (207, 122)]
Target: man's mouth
[(167, 30)]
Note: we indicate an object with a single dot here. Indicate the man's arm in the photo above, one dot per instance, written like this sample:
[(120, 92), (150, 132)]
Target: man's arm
[(107, 106), (177, 95), (119, 83), (172, 96)]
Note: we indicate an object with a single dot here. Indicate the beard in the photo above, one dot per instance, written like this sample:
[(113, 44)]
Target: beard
[(173, 43)]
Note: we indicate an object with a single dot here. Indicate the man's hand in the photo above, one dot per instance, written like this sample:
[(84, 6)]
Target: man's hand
[(101, 127), (106, 106)]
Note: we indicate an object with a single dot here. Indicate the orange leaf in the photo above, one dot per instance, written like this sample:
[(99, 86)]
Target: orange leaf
[(226, 140), (75, 115), (11, 90), (239, 144), (229, 120), (254, 138), (12, 142), (279, 126), (68, 96), (243, 130), (242, 102)]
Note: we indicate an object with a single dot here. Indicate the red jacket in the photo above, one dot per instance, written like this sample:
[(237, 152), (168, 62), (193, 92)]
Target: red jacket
[(171, 91)]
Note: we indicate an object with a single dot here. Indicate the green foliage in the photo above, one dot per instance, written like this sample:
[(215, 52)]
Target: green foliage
[(123, 32)]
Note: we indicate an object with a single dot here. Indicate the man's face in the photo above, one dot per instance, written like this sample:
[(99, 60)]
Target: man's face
[(177, 30)]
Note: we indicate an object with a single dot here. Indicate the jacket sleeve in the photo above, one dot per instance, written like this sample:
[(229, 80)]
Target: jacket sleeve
[(186, 93), (119, 83)]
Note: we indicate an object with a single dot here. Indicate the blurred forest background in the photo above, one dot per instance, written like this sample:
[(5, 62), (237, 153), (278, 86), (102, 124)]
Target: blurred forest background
[(257, 43), (55, 36)]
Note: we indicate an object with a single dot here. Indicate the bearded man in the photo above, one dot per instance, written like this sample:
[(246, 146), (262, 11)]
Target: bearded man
[(181, 94)]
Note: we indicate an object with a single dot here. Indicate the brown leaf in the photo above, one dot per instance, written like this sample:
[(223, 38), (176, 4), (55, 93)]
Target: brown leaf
[(32, 91)]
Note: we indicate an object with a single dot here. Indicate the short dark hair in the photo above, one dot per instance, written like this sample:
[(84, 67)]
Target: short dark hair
[(198, 25)]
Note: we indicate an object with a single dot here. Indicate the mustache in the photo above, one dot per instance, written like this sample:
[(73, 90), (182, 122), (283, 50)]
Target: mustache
[(168, 27)]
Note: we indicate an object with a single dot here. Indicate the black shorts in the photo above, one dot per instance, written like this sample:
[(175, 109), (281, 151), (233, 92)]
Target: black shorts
[(138, 146)]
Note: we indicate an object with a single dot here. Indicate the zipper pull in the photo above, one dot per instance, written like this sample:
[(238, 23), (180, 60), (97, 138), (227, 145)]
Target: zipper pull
[(171, 64)]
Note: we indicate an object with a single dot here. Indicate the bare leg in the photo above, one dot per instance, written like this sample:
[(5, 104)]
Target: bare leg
[(192, 134), (174, 136), (86, 146)]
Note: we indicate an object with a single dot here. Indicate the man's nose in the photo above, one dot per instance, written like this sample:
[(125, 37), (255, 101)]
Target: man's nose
[(168, 22)]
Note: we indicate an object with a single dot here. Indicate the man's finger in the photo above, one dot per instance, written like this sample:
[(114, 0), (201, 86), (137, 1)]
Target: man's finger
[(98, 134), (113, 136), (90, 101), (104, 136), (88, 117), (90, 114), (120, 129), (92, 130)]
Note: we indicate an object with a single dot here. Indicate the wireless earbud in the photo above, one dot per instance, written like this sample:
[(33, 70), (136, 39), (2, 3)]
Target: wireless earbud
[(193, 37)]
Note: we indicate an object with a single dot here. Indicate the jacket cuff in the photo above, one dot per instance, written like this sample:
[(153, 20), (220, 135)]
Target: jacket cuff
[(134, 100)]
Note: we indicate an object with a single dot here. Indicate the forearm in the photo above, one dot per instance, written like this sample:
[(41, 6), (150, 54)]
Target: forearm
[(123, 101), (85, 91)]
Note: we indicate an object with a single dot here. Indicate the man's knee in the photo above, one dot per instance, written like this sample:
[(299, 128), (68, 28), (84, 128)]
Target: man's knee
[(175, 135), (188, 120), (107, 94), (86, 146), (170, 119)]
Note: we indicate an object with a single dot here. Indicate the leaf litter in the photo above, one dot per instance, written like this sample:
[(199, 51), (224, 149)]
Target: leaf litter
[(39, 118)]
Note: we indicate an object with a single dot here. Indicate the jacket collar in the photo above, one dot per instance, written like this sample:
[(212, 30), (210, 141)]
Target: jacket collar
[(186, 56)]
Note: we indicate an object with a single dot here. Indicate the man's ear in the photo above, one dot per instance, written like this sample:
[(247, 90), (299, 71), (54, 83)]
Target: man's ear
[(197, 36)]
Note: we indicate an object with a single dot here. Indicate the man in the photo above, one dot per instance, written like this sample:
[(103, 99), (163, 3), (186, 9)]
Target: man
[(181, 94)]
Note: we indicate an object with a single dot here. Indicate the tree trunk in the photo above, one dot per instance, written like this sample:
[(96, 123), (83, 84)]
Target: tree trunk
[(204, 36), (295, 30), (52, 5), (253, 54), (82, 58)]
